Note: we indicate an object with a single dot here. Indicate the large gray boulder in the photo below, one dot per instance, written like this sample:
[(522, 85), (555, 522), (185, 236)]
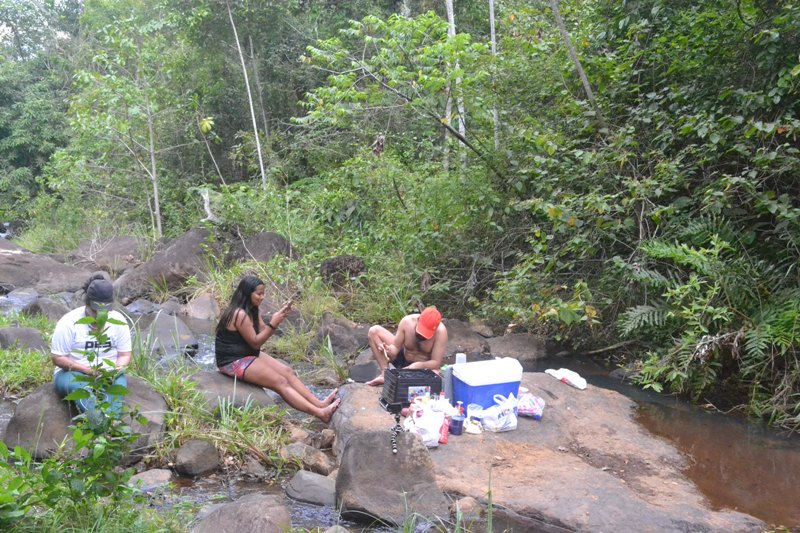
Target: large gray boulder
[(261, 247), (217, 387), (374, 482), (524, 347), (164, 334), (461, 338), (168, 270), (204, 307), (308, 457), (42, 419), (52, 309), (364, 368), (254, 513), (585, 466), (20, 268), (313, 488), (151, 480), (346, 337), (196, 457), (26, 338), (114, 255)]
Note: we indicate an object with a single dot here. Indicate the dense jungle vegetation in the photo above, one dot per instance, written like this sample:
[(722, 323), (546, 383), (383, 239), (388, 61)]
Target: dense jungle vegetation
[(613, 174)]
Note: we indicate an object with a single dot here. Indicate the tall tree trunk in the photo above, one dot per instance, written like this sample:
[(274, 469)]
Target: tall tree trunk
[(495, 115), (448, 112), (462, 116), (254, 60), (151, 147), (575, 61), (249, 97)]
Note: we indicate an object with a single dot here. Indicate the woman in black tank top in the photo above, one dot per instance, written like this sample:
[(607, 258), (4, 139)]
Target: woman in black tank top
[(241, 332)]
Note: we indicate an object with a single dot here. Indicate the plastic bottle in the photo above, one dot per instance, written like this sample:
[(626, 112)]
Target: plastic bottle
[(440, 404), (447, 381), (460, 408)]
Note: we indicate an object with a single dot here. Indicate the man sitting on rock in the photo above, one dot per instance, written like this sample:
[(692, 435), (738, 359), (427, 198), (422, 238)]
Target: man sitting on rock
[(420, 342)]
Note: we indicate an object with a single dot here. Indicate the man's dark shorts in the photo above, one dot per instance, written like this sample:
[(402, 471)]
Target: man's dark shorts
[(400, 360)]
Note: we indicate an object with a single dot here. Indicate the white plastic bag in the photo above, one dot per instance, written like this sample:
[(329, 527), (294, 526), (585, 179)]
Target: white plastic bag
[(501, 416), (530, 405), (568, 376), (426, 424)]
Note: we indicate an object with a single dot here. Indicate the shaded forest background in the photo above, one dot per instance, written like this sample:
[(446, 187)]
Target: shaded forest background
[(638, 194)]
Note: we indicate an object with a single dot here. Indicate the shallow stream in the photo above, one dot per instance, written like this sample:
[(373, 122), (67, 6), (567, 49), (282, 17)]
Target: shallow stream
[(734, 463)]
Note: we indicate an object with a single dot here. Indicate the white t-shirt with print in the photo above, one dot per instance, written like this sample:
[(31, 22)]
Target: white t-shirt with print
[(71, 339)]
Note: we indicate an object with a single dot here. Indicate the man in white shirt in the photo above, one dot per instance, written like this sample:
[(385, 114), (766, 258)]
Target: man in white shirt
[(73, 342)]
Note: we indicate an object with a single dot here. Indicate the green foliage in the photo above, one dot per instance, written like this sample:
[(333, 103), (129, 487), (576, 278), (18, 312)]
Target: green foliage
[(379, 68), (235, 431), (22, 370), (83, 473), (329, 359), (34, 90)]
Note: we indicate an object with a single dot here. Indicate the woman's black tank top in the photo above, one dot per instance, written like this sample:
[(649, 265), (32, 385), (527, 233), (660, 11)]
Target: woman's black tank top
[(230, 346)]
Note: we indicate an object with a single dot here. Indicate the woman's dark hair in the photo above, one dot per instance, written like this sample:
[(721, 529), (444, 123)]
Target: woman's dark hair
[(241, 300)]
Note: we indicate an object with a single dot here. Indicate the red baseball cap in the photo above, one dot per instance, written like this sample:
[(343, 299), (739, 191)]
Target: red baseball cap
[(429, 320)]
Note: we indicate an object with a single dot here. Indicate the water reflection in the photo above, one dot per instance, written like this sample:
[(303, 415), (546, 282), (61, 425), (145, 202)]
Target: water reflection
[(734, 464)]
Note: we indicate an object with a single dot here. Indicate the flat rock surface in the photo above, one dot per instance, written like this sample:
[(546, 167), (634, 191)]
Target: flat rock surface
[(585, 466)]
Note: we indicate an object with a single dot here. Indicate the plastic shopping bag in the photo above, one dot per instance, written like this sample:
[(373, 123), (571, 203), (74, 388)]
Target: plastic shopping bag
[(501, 416), (568, 376), (530, 405), (425, 423)]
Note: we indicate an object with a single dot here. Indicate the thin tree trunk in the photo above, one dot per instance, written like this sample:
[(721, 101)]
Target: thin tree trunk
[(448, 111), (495, 115), (153, 170), (249, 97), (258, 89), (213, 159), (574, 56), (462, 116), (433, 115)]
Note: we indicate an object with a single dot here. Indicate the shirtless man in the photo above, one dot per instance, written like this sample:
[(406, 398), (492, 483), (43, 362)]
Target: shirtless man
[(420, 342)]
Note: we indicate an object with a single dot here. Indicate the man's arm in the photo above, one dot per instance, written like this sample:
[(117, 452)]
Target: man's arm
[(394, 349), (123, 359), (70, 365)]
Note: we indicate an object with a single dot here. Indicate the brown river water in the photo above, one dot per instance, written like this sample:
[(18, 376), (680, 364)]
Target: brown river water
[(735, 464)]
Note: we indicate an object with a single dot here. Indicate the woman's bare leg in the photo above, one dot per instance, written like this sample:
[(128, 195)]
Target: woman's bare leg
[(287, 372), (261, 373)]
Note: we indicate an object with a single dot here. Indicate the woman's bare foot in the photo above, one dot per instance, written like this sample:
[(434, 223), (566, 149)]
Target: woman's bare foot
[(328, 411), (331, 397)]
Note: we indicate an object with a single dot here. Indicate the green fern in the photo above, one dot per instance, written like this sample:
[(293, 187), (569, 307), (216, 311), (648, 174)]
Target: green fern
[(642, 316), (706, 228), (757, 343), (651, 278)]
